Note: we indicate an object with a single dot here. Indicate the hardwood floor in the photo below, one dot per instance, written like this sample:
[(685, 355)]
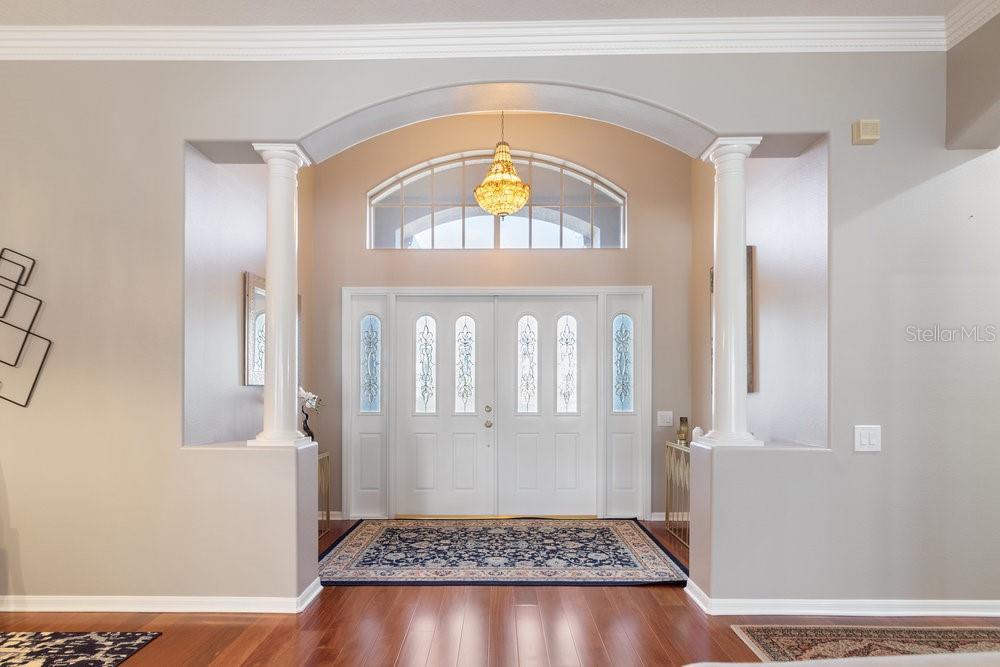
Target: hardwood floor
[(450, 625)]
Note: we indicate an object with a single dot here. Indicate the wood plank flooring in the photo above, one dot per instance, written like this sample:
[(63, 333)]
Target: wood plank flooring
[(451, 625)]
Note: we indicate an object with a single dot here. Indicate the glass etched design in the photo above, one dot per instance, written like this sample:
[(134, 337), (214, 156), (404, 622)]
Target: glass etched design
[(566, 365), (623, 350), (259, 336), (426, 365), (371, 364), (465, 365), (527, 365)]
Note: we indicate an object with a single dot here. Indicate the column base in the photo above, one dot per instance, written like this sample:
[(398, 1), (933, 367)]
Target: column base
[(717, 439), (281, 439)]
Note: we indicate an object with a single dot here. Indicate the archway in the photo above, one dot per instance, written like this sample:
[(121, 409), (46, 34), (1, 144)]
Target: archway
[(662, 124)]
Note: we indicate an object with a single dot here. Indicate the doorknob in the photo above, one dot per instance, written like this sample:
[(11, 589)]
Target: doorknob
[(488, 408), (488, 424)]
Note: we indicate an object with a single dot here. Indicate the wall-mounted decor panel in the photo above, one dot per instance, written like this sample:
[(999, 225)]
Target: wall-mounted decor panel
[(23, 352)]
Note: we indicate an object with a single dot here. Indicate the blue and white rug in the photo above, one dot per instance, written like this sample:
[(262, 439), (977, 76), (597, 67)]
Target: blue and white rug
[(82, 649), (575, 552)]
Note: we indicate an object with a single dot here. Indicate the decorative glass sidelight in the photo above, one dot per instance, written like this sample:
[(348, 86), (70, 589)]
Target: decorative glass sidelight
[(426, 364), (623, 372), (371, 364), (465, 365), (566, 365), (259, 336), (527, 365)]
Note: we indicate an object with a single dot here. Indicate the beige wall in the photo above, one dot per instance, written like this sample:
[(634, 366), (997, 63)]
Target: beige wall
[(702, 235), (656, 178)]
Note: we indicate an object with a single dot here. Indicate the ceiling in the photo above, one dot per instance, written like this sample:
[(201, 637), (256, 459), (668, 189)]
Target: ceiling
[(331, 12)]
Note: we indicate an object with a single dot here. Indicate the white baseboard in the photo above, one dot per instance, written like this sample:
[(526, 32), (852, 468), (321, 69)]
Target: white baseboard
[(657, 516), (334, 516), (820, 607), (674, 516), (307, 596), (162, 603)]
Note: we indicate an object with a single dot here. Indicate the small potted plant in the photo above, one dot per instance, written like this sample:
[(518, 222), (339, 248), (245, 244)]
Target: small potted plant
[(310, 403)]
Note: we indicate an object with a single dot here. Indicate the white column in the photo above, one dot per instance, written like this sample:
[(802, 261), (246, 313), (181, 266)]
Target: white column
[(281, 371), (729, 306)]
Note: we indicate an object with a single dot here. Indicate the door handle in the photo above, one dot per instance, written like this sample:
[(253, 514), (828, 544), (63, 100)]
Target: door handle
[(488, 423), (488, 409)]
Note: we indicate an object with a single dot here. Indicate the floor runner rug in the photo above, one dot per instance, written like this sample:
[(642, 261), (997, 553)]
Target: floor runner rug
[(56, 649), (577, 552), (784, 643)]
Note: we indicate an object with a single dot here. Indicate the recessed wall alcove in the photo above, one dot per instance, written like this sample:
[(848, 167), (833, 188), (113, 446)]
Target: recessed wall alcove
[(654, 154)]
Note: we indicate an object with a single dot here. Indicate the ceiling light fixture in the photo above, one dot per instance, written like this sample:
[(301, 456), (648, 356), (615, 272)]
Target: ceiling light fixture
[(502, 192)]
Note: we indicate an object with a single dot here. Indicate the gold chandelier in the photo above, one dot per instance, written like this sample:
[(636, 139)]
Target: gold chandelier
[(502, 192)]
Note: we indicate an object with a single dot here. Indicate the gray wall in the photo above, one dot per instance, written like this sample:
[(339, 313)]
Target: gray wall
[(787, 221), (225, 214), (96, 194), (974, 89)]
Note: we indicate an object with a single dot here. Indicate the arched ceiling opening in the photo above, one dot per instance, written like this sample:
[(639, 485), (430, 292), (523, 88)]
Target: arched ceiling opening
[(659, 123)]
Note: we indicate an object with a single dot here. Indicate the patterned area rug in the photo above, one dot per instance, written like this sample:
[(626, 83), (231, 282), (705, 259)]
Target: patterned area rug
[(783, 643), (499, 551), (84, 649)]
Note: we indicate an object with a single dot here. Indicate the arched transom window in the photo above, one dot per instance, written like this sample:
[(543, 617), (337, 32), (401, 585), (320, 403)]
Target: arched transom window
[(431, 205)]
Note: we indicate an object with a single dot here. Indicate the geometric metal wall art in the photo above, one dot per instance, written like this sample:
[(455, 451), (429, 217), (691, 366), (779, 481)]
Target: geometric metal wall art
[(22, 351)]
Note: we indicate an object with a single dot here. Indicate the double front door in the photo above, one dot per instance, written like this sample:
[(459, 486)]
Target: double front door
[(495, 406)]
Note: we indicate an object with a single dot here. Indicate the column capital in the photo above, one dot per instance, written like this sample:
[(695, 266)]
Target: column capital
[(292, 153), (723, 146)]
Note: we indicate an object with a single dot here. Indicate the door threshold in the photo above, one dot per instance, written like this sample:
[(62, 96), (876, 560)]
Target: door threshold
[(495, 516)]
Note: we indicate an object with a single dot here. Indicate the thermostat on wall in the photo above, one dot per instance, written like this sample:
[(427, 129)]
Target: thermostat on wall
[(866, 131)]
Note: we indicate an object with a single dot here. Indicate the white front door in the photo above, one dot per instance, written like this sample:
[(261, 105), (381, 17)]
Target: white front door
[(547, 456), (444, 402), (511, 434)]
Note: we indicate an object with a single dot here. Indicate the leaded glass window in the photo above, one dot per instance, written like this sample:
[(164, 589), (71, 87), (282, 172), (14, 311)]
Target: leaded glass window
[(527, 364), (431, 206), (465, 365), (566, 365), (425, 369), (623, 371), (371, 364)]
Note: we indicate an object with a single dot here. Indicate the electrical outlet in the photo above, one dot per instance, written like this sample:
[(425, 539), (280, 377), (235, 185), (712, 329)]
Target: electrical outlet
[(868, 438), (665, 418)]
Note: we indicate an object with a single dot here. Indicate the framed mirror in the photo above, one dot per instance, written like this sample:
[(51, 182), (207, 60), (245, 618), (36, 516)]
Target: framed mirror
[(255, 296)]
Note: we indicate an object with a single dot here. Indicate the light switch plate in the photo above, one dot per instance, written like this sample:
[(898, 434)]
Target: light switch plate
[(665, 418), (868, 438)]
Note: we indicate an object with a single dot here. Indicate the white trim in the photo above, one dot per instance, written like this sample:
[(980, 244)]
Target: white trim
[(967, 17), (646, 412), (644, 501), (846, 607), (657, 516), (774, 34), (334, 516), (752, 142), (307, 596), (162, 603)]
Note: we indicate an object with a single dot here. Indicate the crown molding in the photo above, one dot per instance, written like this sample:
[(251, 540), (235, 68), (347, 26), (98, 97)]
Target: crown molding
[(476, 40), (967, 17)]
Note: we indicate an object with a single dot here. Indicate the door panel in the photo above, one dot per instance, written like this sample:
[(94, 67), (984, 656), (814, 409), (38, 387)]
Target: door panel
[(446, 462), (547, 406)]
